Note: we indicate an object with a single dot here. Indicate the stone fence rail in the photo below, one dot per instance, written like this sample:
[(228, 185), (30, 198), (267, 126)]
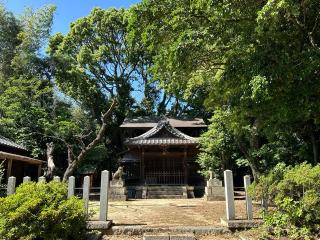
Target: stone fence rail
[(105, 185), (104, 190)]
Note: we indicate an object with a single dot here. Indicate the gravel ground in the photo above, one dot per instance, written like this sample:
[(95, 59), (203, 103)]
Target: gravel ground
[(169, 212)]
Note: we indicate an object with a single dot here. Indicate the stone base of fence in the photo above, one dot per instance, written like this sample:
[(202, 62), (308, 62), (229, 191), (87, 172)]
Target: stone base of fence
[(99, 225), (241, 223)]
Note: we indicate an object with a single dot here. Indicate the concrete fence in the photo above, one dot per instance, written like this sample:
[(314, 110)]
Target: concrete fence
[(104, 190)]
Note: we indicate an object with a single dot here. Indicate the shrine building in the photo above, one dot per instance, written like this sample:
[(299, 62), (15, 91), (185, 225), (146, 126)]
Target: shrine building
[(160, 161)]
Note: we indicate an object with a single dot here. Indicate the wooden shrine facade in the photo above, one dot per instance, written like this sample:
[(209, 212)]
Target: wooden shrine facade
[(17, 162), (160, 152)]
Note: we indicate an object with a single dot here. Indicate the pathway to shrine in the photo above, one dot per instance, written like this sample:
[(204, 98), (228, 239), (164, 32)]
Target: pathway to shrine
[(169, 212)]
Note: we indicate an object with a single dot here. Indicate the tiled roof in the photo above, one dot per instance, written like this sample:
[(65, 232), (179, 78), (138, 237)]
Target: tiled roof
[(172, 137), (8, 143), (162, 141), (151, 121)]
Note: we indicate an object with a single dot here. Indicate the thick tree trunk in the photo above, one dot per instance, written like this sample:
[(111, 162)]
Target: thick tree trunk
[(50, 161), (73, 161), (252, 162), (246, 148), (315, 147)]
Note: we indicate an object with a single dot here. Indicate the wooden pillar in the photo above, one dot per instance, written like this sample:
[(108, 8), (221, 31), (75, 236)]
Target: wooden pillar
[(185, 165), (9, 168), (142, 166), (39, 171)]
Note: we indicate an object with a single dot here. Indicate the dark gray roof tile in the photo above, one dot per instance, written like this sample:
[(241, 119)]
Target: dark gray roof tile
[(9, 143), (175, 137)]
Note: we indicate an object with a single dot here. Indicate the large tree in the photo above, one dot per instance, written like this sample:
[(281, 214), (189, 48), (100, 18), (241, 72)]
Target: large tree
[(257, 61), (25, 85)]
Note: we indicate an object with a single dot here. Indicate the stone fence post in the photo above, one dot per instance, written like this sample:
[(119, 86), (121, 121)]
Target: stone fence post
[(11, 188), (56, 178), (86, 192), (246, 180), (42, 179), (229, 194), (104, 195), (26, 179), (71, 186)]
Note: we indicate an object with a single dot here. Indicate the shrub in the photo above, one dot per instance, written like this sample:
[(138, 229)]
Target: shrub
[(296, 197), (266, 187), (41, 211)]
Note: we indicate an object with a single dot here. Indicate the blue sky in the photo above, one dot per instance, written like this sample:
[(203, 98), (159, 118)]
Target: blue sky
[(67, 10)]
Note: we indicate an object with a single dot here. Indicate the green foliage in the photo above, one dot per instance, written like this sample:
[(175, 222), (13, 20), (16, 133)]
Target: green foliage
[(295, 193), (93, 62), (218, 148), (41, 210), (26, 91), (9, 29), (256, 60), (265, 187)]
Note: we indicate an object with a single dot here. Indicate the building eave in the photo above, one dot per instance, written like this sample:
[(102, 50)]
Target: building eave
[(16, 157)]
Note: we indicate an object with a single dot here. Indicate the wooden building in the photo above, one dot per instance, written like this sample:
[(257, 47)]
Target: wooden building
[(162, 152), (17, 161)]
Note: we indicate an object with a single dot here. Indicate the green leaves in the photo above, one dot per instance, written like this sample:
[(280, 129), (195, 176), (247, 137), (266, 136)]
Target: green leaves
[(295, 193), (93, 61), (257, 61), (41, 210)]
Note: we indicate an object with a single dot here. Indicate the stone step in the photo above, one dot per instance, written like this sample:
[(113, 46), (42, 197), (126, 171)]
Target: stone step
[(165, 188), (166, 192), (173, 192), (168, 236), (162, 196)]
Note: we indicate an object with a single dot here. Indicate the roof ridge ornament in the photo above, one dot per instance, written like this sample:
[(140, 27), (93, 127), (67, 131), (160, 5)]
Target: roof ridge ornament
[(163, 118)]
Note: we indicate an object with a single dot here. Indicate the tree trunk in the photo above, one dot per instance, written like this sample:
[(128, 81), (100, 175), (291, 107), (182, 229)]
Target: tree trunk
[(73, 161), (252, 162), (50, 161), (246, 148), (315, 147)]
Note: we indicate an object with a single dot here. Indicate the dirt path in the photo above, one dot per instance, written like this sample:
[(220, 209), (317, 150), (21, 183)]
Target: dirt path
[(168, 212)]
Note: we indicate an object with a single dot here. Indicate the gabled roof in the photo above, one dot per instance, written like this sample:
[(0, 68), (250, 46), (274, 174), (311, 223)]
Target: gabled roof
[(162, 134), (152, 121), (8, 143)]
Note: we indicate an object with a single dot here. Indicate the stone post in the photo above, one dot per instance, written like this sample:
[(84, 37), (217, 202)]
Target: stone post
[(26, 179), (214, 191), (71, 185), (42, 179), (104, 192), (246, 180), (11, 188), (56, 178), (86, 191), (229, 194), (210, 174)]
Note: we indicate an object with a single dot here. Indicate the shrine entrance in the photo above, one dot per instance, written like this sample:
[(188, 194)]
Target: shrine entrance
[(168, 169)]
